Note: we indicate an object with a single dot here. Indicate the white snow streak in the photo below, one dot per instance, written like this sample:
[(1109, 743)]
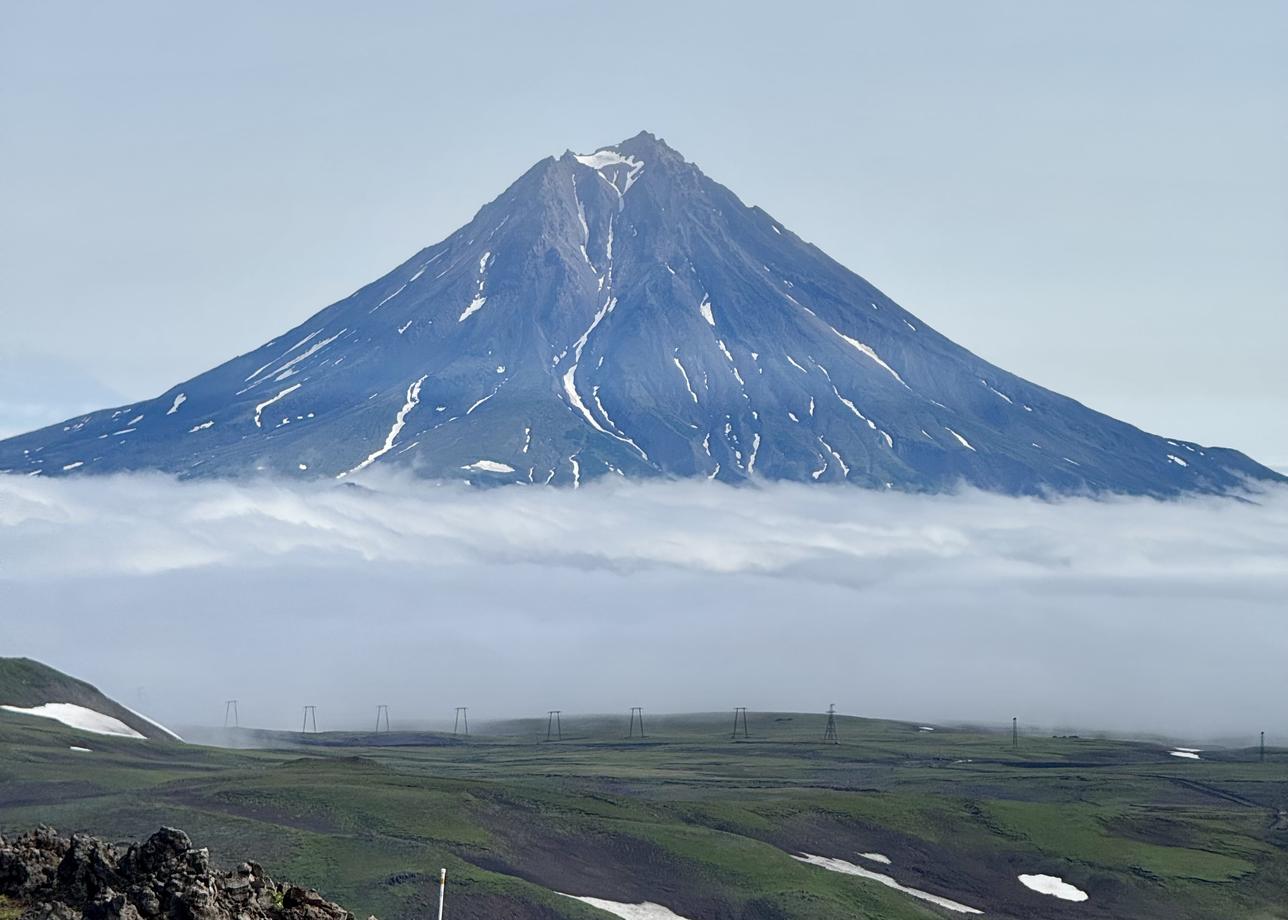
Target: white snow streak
[(475, 305), (646, 910), (479, 300), (840, 865), (268, 402), (178, 401), (705, 309), (288, 368), (960, 439), (866, 350), (835, 456), (683, 373), (413, 397)]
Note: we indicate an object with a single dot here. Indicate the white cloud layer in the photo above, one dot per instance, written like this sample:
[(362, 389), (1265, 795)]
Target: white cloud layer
[(1127, 614)]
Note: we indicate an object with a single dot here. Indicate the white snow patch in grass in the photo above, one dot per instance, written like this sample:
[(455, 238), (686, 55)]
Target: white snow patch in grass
[(87, 720), (206, 424), (877, 858), (1188, 755), (489, 466), (840, 865), (1172, 458), (178, 401), (646, 910), (72, 466), (82, 750), (1054, 886), (924, 728)]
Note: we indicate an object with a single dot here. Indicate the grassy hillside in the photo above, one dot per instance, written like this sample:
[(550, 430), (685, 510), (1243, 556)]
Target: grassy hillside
[(27, 683), (693, 820)]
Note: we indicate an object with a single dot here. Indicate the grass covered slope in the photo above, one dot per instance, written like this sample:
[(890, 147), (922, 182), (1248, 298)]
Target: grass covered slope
[(28, 684), (696, 822)]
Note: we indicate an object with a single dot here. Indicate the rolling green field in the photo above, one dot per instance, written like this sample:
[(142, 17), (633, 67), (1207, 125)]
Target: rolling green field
[(688, 818)]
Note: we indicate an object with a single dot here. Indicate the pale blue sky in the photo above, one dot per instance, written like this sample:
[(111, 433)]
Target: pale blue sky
[(1091, 194)]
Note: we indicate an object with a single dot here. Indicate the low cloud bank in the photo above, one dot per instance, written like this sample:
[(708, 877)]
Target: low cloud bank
[(1125, 614)]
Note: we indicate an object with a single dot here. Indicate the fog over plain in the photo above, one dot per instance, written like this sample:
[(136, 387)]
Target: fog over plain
[(1129, 615)]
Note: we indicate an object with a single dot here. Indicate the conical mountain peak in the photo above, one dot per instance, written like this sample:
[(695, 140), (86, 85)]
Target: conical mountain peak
[(617, 312)]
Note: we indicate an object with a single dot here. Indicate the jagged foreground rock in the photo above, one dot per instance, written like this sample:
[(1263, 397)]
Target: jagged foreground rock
[(60, 878), (620, 313)]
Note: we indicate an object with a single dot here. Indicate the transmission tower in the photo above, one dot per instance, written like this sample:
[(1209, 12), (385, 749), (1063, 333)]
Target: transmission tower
[(1015, 732), (637, 712), (230, 714), (462, 715), (829, 733), (310, 716), (740, 712), (382, 710), (553, 724), (1263, 746)]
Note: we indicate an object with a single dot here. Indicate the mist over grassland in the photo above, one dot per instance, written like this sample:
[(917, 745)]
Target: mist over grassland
[(1132, 615)]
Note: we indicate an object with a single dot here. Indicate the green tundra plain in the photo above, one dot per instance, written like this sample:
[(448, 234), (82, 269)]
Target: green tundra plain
[(689, 818)]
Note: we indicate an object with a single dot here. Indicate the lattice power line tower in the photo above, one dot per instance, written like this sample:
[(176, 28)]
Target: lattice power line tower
[(554, 729), (740, 714), (230, 714), (382, 711), (829, 733), (637, 712), (310, 716), (462, 716)]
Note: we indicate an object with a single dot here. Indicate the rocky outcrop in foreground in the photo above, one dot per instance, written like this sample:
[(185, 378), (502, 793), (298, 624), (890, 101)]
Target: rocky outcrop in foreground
[(59, 878)]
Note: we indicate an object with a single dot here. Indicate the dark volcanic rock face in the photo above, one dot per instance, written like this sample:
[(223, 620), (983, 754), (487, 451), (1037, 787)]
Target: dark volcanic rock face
[(164, 878), (621, 313)]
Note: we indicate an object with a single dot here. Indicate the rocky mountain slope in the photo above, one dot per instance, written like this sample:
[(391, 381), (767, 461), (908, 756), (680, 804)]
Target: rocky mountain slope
[(619, 312), (46, 876)]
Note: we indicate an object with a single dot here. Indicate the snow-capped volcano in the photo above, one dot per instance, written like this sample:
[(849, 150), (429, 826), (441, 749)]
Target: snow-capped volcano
[(619, 312)]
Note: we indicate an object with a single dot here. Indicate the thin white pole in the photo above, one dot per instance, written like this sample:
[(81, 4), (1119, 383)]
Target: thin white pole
[(442, 890)]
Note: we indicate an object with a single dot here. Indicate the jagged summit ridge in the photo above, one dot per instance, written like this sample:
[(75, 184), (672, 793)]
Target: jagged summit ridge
[(617, 312)]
